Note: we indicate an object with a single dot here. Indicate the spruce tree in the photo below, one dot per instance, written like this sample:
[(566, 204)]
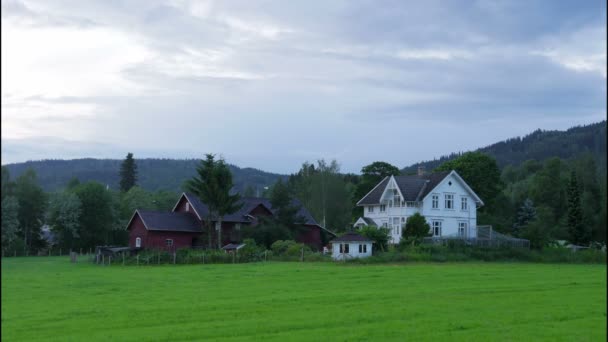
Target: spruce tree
[(128, 173), (525, 215), (576, 230)]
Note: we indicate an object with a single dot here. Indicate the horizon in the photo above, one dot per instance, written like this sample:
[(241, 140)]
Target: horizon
[(311, 161), (271, 88)]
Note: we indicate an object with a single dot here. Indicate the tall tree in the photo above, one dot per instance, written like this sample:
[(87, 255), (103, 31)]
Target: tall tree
[(64, 218), (128, 173), (10, 221), (416, 228), (525, 215), (32, 207), (98, 216), (7, 185), (213, 185), (576, 230)]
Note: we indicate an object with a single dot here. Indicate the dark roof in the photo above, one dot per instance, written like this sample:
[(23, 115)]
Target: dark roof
[(231, 246), (249, 203), (348, 237), (169, 221), (413, 188), (369, 221)]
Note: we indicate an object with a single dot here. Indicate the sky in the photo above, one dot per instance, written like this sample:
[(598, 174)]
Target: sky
[(272, 84)]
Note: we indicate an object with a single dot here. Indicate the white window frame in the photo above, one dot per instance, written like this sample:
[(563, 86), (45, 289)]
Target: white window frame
[(462, 229), (138, 242), (450, 201), (435, 201), (436, 228), (169, 242), (464, 204), (187, 206)]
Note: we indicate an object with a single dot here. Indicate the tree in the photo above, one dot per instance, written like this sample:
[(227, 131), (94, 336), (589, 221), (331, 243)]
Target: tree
[(10, 221), (540, 230), (576, 230), (73, 183), (32, 207), (98, 216), (282, 201), (379, 236), (135, 198), (7, 185), (416, 228), (525, 215), (213, 185), (481, 173), (64, 218), (128, 173)]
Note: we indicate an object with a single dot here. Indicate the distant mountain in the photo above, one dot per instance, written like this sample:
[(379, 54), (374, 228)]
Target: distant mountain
[(153, 174), (539, 145)]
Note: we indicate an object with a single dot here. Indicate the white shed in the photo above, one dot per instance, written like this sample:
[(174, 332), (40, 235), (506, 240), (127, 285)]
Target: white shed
[(351, 245)]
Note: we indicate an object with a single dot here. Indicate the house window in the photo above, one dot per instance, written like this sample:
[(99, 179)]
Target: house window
[(436, 228), (237, 226), (169, 242), (138, 242), (384, 224), (435, 201), (462, 228), (390, 204), (344, 248), (449, 201), (360, 248), (364, 248), (396, 198), (217, 226), (370, 209), (187, 206), (463, 204), (382, 208)]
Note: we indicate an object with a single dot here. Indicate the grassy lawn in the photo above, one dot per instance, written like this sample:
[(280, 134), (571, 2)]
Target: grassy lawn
[(47, 298)]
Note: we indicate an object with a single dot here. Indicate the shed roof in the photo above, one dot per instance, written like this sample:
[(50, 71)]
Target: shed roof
[(169, 221), (350, 237)]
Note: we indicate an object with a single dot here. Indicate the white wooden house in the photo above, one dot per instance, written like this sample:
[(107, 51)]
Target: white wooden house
[(446, 201), (351, 245)]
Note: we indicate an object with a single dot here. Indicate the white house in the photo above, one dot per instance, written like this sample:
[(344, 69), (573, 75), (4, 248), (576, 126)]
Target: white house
[(444, 199), (351, 245)]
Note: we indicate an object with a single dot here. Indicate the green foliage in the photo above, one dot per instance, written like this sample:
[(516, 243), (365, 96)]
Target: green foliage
[(128, 173), (577, 232), (379, 236), (8, 186), (64, 215), (481, 173), (10, 221), (541, 230), (267, 232), (98, 216), (525, 215), (32, 206), (282, 201), (213, 185), (280, 247), (416, 228)]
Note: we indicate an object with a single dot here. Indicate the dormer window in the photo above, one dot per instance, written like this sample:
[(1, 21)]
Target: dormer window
[(187, 206)]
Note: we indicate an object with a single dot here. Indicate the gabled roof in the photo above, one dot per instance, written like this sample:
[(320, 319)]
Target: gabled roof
[(413, 188), (168, 221), (349, 237), (367, 221)]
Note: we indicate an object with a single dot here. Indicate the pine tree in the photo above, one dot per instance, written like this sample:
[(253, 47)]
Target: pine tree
[(525, 215), (128, 173), (576, 229)]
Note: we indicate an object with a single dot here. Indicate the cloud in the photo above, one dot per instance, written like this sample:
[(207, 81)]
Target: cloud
[(271, 84)]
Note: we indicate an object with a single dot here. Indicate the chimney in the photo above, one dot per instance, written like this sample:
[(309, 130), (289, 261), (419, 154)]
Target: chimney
[(420, 170)]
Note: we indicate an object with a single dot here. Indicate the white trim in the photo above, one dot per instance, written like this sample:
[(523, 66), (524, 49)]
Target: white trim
[(138, 242), (392, 179), (466, 186), (191, 206), (377, 185), (141, 218)]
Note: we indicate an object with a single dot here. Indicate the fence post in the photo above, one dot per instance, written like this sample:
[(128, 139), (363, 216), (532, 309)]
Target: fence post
[(103, 259), (173, 257), (265, 255), (302, 257), (137, 259), (81, 251), (158, 257), (203, 258), (89, 250), (123, 258), (15, 253), (59, 251), (49, 251), (233, 254)]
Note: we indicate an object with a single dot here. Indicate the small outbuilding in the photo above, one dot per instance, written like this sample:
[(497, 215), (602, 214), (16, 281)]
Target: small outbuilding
[(231, 247), (351, 245)]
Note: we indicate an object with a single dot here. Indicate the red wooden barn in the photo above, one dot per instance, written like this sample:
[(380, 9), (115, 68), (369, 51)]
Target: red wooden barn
[(181, 228)]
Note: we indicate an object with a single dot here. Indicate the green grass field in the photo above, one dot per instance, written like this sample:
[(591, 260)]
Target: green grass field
[(47, 298)]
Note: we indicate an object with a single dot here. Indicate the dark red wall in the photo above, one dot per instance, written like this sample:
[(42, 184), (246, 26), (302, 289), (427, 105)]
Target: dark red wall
[(137, 228), (311, 236), (156, 240)]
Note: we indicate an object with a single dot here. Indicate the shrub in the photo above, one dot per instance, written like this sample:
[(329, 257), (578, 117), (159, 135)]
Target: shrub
[(279, 247)]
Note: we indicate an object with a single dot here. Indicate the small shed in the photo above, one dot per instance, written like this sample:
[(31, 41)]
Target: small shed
[(231, 247), (351, 245)]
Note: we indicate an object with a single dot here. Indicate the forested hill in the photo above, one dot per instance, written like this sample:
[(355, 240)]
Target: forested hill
[(540, 145), (153, 174)]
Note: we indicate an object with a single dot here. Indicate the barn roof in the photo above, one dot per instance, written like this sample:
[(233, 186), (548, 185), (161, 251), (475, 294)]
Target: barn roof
[(350, 237), (413, 188), (169, 221)]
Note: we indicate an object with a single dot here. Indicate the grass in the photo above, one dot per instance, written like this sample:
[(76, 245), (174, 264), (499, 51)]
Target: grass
[(47, 298)]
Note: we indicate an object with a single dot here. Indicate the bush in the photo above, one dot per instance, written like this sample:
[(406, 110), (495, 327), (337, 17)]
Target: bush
[(279, 247)]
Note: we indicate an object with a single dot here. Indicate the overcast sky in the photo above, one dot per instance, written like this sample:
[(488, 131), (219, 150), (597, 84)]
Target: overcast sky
[(271, 84)]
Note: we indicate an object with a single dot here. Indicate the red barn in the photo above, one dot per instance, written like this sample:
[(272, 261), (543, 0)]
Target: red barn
[(182, 227)]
